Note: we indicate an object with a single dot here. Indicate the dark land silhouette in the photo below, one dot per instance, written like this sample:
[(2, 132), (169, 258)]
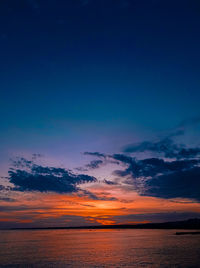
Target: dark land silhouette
[(190, 224)]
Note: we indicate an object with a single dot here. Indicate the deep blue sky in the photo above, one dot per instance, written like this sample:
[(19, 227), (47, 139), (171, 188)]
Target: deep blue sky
[(83, 71)]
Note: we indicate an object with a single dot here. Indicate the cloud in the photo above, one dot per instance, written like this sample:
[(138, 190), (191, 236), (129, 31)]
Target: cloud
[(34, 220), (14, 208), (102, 197), (2, 188), (160, 178), (154, 166), (188, 152), (174, 172), (97, 154), (28, 176), (7, 199), (94, 164), (183, 184), (109, 182), (21, 162), (165, 147), (5, 188)]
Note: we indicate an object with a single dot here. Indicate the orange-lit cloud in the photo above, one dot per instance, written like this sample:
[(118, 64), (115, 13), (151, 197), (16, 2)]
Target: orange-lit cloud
[(37, 207)]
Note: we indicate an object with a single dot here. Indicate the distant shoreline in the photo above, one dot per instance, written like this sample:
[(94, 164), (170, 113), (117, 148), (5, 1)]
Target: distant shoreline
[(187, 233), (191, 224)]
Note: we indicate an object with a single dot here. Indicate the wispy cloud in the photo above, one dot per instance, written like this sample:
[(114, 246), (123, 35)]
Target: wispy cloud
[(97, 154)]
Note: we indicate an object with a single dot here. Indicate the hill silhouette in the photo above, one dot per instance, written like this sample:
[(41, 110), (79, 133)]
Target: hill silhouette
[(190, 224)]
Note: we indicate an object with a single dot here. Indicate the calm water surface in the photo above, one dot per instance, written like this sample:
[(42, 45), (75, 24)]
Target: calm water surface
[(98, 248)]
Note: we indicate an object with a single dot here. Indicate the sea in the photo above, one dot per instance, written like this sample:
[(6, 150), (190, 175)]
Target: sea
[(98, 248)]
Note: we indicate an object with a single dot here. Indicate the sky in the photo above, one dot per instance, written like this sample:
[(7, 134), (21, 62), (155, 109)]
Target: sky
[(100, 117)]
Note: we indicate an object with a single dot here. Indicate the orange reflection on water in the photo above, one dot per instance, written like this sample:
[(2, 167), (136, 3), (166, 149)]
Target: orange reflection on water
[(98, 248)]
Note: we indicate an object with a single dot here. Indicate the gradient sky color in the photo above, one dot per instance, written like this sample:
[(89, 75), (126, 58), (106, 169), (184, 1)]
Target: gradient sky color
[(80, 78)]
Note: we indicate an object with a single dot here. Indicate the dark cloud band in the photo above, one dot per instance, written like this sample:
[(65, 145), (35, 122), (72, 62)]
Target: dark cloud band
[(27, 176)]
